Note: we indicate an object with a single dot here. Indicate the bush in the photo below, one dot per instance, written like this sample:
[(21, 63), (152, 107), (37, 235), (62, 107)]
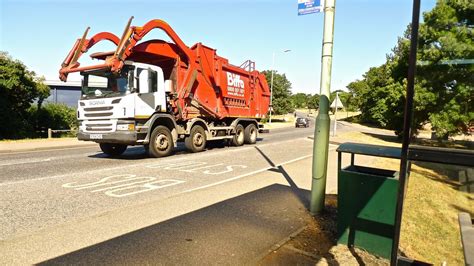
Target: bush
[(54, 116), (19, 89)]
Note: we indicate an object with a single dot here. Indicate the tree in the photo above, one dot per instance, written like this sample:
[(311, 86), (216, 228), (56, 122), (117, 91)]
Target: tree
[(377, 96), (281, 92), (348, 100), (300, 100), (19, 88), (446, 40), (313, 102), (444, 84)]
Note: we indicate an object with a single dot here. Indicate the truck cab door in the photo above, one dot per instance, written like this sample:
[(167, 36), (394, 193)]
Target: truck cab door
[(150, 97)]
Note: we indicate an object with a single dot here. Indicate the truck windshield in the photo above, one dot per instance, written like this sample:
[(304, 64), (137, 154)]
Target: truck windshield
[(100, 84)]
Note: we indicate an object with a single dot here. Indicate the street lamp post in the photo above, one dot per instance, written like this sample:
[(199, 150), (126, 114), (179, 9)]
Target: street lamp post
[(271, 83), (321, 130)]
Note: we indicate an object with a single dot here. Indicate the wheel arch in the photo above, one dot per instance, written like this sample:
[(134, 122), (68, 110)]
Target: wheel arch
[(163, 120), (244, 122), (197, 121)]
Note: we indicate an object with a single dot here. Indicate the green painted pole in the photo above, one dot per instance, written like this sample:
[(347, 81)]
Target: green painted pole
[(321, 132)]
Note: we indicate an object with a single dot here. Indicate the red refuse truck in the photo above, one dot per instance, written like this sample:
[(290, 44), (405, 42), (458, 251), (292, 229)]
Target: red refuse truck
[(157, 93)]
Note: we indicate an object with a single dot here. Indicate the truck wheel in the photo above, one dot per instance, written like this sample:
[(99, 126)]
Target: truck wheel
[(113, 149), (196, 141), (250, 134), (161, 142), (238, 139)]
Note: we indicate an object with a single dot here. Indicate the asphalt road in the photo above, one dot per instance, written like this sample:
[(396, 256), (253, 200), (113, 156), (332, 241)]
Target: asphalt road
[(45, 189)]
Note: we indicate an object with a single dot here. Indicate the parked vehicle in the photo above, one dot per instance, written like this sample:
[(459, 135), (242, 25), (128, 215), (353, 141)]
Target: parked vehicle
[(156, 93), (302, 122)]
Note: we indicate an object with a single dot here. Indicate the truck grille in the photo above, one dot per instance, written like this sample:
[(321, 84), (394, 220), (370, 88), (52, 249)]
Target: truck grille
[(98, 111), (95, 109), (98, 119), (98, 114), (98, 129), (99, 126)]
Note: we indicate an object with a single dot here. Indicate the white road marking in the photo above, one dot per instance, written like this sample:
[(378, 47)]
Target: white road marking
[(49, 159), (168, 160), (61, 149), (26, 162), (65, 175), (128, 182), (145, 187), (192, 166), (199, 168), (106, 181), (229, 168), (247, 174)]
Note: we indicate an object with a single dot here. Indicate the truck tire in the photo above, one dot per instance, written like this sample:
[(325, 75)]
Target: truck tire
[(161, 142), (250, 134), (112, 149), (196, 141), (238, 139)]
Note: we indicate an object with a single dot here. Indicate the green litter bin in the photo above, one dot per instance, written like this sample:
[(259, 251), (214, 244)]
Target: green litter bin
[(367, 200)]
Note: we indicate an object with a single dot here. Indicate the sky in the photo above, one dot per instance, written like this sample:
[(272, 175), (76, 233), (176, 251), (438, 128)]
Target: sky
[(40, 33)]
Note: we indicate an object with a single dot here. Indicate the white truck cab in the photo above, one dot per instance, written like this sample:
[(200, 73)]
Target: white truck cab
[(108, 110)]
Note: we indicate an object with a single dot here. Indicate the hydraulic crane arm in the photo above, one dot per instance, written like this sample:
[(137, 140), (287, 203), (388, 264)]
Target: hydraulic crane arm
[(125, 49), (130, 37), (80, 47)]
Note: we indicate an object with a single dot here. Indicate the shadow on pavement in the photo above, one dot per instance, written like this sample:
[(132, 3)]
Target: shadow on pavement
[(304, 199), (384, 137), (239, 230)]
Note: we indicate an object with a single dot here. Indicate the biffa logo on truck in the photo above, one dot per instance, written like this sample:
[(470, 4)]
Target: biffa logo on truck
[(235, 86)]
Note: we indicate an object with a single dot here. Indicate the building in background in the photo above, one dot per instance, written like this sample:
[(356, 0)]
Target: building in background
[(64, 92)]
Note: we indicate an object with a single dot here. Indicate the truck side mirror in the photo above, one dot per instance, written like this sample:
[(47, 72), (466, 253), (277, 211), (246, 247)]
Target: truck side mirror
[(168, 85)]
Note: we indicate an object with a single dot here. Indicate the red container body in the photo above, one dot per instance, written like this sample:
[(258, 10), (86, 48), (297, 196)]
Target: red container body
[(223, 90), (205, 85)]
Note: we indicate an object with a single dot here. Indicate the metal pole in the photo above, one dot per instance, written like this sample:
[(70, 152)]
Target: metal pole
[(408, 117), (334, 128), (271, 88), (321, 132)]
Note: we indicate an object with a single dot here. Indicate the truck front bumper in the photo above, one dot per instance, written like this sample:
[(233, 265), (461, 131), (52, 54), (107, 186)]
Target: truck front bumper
[(120, 137)]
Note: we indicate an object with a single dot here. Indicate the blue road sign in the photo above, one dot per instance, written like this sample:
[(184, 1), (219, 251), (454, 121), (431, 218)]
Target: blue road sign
[(306, 7)]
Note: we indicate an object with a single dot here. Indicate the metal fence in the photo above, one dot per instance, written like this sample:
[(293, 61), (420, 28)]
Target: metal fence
[(51, 131)]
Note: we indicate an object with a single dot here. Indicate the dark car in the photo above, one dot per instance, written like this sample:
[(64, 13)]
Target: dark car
[(302, 122)]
